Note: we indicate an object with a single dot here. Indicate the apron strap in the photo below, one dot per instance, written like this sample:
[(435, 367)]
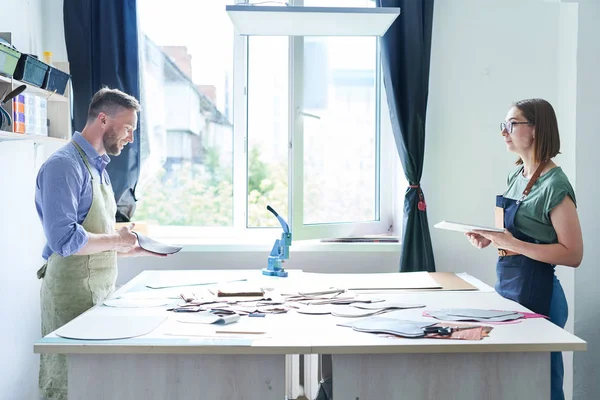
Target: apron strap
[(499, 211), (84, 158), (533, 180)]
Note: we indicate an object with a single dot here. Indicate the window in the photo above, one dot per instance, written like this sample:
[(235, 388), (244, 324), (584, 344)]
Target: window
[(186, 178), (268, 122), (231, 124), (337, 115)]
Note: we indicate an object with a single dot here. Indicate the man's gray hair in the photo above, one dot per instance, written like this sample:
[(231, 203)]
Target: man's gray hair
[(111, 102)]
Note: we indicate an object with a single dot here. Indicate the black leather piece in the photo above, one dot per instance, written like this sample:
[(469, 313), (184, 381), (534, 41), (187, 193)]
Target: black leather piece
[(156, 247)]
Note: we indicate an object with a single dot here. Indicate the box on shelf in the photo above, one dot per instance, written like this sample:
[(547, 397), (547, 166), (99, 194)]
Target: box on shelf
[(56, 80), (8, 60), (31, 70)]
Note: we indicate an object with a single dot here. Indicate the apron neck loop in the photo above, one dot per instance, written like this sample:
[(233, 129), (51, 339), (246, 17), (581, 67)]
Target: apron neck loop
[(533, 180)]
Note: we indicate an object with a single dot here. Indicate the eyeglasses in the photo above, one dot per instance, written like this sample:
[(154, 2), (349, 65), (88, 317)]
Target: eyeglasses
[(510, 124)]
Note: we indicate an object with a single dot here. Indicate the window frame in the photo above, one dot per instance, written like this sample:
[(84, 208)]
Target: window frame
[(386, 162), (240, 132), (383, 220)]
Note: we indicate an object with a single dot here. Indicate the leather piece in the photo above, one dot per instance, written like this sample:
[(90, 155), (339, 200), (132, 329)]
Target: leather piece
[(353, 312), (316, 309), (391, 327), (356, 310), (444, 316), (410, 329), (476, 312), (386, 305), (156, 247)]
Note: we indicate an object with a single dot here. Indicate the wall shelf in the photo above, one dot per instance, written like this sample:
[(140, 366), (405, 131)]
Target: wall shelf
[(6, 136), (58, 110), (50, 96)]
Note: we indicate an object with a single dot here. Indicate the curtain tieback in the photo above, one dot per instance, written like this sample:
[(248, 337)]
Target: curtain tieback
[(421, 205)]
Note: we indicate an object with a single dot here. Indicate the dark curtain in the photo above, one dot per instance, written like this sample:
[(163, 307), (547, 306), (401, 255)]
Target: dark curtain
[(405, 50), (102, 46)]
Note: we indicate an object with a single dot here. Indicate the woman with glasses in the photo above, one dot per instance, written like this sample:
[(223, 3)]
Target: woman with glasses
[(539, 217)]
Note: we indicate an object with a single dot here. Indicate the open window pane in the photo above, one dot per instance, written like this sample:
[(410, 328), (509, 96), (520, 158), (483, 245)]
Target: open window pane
[(186, 65), (268, 125), (340, 131)]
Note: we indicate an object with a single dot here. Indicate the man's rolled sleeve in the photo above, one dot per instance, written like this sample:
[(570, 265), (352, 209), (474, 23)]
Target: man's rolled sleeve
[(72, 245), (60, 185)]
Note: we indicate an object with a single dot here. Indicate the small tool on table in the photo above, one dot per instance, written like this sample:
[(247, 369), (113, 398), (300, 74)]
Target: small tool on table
[(280, 251)]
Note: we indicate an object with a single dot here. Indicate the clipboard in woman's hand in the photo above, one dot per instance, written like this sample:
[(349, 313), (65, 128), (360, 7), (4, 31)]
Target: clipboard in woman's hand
[(459, 227)]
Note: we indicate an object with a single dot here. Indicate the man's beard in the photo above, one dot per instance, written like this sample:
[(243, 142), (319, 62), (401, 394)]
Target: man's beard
[(111, 143)]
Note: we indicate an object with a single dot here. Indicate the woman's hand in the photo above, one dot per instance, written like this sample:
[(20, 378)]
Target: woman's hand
[(502, 240), (477, 240)]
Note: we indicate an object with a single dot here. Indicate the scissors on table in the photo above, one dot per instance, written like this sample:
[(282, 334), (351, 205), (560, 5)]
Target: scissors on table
[(446, 330)]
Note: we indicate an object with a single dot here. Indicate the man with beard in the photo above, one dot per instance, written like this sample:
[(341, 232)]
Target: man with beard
[(77, 208)]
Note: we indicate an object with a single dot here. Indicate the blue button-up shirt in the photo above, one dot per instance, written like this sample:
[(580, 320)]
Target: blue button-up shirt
[(63, 195)]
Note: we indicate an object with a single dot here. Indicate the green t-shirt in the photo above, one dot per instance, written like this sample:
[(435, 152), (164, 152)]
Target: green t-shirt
[(533, 215)]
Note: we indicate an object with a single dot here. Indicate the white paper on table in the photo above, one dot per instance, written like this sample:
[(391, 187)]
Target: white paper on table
[(169, 293), (245, 327), (188, 283), (137, 303), (104, 327), (460, 227)]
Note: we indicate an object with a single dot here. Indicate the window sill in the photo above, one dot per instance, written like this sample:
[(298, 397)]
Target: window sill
[(232, 245), (253, 240)]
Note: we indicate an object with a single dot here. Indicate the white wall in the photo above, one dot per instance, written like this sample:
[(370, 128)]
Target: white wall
[(53, 29), (24, 19), (21, 236), (36, 26), (587, 321), (486, 55), (566, 108)]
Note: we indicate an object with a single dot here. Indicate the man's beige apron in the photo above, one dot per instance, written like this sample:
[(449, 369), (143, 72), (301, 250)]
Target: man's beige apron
[(73, 284)]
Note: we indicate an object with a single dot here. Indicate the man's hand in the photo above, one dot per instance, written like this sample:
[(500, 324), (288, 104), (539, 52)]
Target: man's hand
[(127, 239), (137, 251)]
